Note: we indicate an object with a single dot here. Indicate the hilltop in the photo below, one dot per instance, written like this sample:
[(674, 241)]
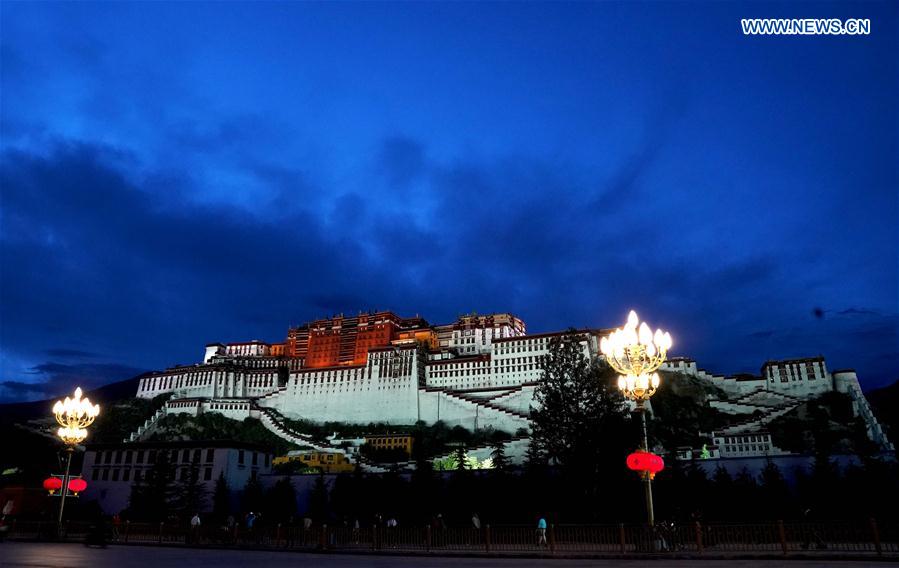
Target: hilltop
[(37, 409)]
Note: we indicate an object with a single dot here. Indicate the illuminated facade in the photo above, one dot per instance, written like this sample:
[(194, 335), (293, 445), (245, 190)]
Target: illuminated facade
[(346, 340), (479, 371), (781, 386), (326, 462), (390, 442)]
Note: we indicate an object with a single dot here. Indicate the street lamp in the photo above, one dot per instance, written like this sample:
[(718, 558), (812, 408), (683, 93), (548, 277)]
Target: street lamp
[(636, 353), (74, 415)]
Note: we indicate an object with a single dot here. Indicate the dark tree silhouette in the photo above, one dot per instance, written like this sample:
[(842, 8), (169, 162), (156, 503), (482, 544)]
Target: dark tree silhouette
[(153, 497), (498, 455), (281, 502), (460, 455), (252, 498), (221, 499), (190, 494), (318, 500), (581, 424)]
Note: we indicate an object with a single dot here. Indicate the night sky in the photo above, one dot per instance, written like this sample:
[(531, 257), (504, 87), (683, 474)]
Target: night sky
[(177, 174)]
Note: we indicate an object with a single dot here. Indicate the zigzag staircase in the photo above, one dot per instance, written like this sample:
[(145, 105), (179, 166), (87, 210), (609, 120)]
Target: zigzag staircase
[(274, 422), (148, 423), (486, 404), (754, 423)]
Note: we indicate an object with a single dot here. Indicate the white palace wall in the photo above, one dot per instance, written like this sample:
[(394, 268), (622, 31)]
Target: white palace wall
[(210, 381), (397, 385), (439, 405), (384, 390), (403, 384), (510, 362)]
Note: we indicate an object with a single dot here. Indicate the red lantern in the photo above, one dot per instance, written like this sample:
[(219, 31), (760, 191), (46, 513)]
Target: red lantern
[(646, 463), (77, 485), (52, 484)]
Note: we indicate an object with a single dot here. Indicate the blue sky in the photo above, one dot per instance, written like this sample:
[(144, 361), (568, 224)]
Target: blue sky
[(174, 174)]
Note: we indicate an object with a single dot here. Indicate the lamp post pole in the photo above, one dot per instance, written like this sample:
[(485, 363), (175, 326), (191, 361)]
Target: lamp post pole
[(65, 485), (74, 415), (636, 353), (647, 479)]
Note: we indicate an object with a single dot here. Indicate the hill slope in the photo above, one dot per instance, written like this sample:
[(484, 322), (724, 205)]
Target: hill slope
[(885, 403), (105, 395)]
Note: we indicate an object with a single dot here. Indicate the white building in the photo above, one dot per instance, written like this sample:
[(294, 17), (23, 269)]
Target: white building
[(780, 388), (473, 334), (112, 469), (746, 445), (480, 371), (401, 384)]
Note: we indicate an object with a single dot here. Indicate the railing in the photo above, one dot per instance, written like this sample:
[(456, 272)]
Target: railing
[(772, 538)]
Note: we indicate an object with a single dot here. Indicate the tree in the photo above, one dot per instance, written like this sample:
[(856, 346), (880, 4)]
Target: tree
[(722, 491), (318, 499), (252, 498), (534, 456), (423, 487), (775, 493), (461, 458), (190, 494), (498, 455), (152, 499), (221, 499), (746, 495), (281, 501), (581, 419)]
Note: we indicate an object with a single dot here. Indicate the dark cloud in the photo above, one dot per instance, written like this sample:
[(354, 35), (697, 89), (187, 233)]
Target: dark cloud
[(764, 334), (163, 189), (858, 312), (402, 160), (147, 277), (71, 354), (51, 379)]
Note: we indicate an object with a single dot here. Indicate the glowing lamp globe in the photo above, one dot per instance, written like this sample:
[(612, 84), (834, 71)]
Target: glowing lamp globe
[(645, 463), (635, 352), (74, 415), (78, 485), (52, 484)]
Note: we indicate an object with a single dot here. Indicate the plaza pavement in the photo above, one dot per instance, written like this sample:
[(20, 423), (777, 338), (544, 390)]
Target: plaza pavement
[(61, 555)]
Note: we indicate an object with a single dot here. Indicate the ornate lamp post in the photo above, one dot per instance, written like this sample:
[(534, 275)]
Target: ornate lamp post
[(636, 353), (74, 415)]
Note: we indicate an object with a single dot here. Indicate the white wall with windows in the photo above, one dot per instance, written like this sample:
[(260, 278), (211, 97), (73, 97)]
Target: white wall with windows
[(111, 470)]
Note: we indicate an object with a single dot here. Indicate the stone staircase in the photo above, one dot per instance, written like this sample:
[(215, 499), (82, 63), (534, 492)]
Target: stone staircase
[(756, 423), (771, 404), (498, 398), (148, 423), (484, 447), (762, 397), (270, 396), (274, 422), (484, 404), (370, 467)]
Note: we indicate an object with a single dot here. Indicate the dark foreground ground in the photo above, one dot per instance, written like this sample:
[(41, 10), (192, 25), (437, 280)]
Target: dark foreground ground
[(29, 554)]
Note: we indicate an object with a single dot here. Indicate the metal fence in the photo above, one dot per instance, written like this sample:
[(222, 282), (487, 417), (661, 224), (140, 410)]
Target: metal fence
[(777, 538)]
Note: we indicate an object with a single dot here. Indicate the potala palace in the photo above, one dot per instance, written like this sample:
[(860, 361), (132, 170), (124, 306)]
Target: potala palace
[(479, 371)]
